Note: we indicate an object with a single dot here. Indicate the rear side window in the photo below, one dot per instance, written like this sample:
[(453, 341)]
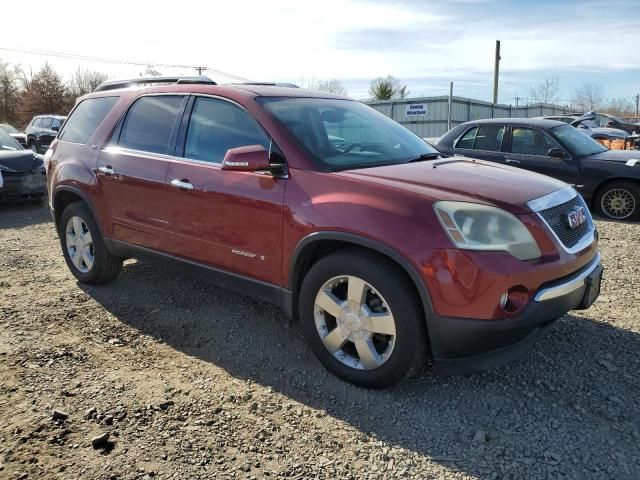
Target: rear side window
[(216, 126), (467, 139), (85, 119), (150, 122), (489, 139)]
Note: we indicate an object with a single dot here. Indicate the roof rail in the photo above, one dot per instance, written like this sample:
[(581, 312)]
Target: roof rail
[(269, 84), (115, 84)]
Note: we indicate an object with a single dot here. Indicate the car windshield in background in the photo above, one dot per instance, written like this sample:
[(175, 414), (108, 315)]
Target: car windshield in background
[(8, 128), (579, 143), (7, 142), (345, 134)]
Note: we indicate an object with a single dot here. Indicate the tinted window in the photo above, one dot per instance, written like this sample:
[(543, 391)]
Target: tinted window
[(36, 122), (527, 141), (85, 119), (577, 142), (57, 122), (46, 122), (149, 123), (489, 138), (467, 139), (216, 126)]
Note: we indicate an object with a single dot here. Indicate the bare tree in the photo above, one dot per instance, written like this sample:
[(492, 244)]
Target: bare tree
[(621, 107), (545, 91), (387, 88), (589, 97), (328, 86), (85, 81), (10, 92)]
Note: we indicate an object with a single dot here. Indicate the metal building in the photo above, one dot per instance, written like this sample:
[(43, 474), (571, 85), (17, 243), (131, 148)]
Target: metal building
[(427, 116)]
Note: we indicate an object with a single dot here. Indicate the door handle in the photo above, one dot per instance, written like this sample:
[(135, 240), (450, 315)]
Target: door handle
[(108, 170), (182, 184), (512, 161)]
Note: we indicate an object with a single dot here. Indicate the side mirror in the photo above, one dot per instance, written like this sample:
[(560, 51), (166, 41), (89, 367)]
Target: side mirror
[(246, 159), (55, 129), (556, 153)]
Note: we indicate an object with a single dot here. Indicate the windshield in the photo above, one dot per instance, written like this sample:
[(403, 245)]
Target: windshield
[(8, 128), (345, 134), (7, 142), (579, 143)]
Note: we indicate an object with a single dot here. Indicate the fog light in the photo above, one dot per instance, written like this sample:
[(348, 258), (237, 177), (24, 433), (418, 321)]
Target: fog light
[(514, 299)]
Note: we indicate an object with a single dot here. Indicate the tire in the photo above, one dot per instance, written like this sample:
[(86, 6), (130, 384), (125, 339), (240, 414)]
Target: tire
[(619, 200), (398, 353), (33, 145), (104, 267)]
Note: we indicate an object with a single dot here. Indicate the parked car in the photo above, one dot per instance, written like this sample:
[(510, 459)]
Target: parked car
[(17, 135), (587, 124), (41, 131), (22, 175), (609, 180), (611, 121), (385, 251)]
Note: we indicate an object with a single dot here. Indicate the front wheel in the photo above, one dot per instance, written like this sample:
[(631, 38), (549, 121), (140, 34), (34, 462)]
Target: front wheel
[(362, 319), (619, 201), (33, 145), (83, 246)]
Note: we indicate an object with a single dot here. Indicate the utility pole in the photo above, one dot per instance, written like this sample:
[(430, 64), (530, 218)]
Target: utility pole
[(449, 106), (200, 70), (496, 73), (637, 105)]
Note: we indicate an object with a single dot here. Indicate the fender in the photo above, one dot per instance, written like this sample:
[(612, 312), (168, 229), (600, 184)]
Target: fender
[(297, 261), (76, 191)]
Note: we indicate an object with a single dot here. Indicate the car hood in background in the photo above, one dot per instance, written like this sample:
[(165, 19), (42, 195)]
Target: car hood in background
[(464, 179), (20, 160), (609, 132), (621, 156)]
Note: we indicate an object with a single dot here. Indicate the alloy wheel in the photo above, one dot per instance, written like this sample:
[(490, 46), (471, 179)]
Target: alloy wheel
[(354, 322), (618, 203), (79, 244)]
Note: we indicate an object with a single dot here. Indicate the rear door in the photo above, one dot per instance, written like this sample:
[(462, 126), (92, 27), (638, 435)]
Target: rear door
[(132, 170), (484, 142), (529, 148), (225, 219)]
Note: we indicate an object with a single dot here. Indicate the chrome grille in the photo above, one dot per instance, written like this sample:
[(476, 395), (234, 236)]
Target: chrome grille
[(555, 218)]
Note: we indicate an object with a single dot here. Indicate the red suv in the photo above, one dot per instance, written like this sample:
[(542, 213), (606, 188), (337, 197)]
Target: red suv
[(388, 253)]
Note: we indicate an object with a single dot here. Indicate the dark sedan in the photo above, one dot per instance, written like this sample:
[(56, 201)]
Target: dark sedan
[(609, 180), (22, 174)]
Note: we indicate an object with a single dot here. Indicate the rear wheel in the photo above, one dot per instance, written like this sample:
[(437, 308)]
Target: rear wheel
[(83, 246), (362, 319), (619, 201)]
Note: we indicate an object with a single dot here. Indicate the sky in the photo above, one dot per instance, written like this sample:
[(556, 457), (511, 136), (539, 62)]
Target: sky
[(426, 44)]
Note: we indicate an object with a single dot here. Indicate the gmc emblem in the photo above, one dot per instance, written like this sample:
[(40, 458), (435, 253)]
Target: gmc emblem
[(575, 217)]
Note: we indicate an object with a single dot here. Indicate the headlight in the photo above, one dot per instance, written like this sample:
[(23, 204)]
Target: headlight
[(472, 226)]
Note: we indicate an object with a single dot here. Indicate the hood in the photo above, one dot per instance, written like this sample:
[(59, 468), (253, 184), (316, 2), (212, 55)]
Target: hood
[(19, 160), (611, 132), (464, 179), (621, 156)]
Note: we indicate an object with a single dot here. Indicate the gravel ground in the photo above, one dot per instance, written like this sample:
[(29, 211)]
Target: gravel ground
[(192, 381)]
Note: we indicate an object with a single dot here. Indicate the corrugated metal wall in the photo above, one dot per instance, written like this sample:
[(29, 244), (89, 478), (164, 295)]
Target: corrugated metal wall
[(434, 122)]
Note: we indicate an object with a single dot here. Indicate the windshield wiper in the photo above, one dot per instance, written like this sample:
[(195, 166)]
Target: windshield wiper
[(426, 156)]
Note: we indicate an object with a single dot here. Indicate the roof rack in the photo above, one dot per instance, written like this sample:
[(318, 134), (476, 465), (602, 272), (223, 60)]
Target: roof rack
[(115, 84), (269, 84)]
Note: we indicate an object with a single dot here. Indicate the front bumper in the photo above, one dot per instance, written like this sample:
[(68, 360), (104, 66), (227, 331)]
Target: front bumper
[(23, 186), (461, 345)]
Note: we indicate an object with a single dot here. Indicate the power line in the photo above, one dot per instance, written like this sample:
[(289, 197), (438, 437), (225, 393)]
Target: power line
[(74, 56)]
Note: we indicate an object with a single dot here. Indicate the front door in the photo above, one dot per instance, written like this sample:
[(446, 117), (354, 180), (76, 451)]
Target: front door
[(224, 219), (529, 150), (132, 171)]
